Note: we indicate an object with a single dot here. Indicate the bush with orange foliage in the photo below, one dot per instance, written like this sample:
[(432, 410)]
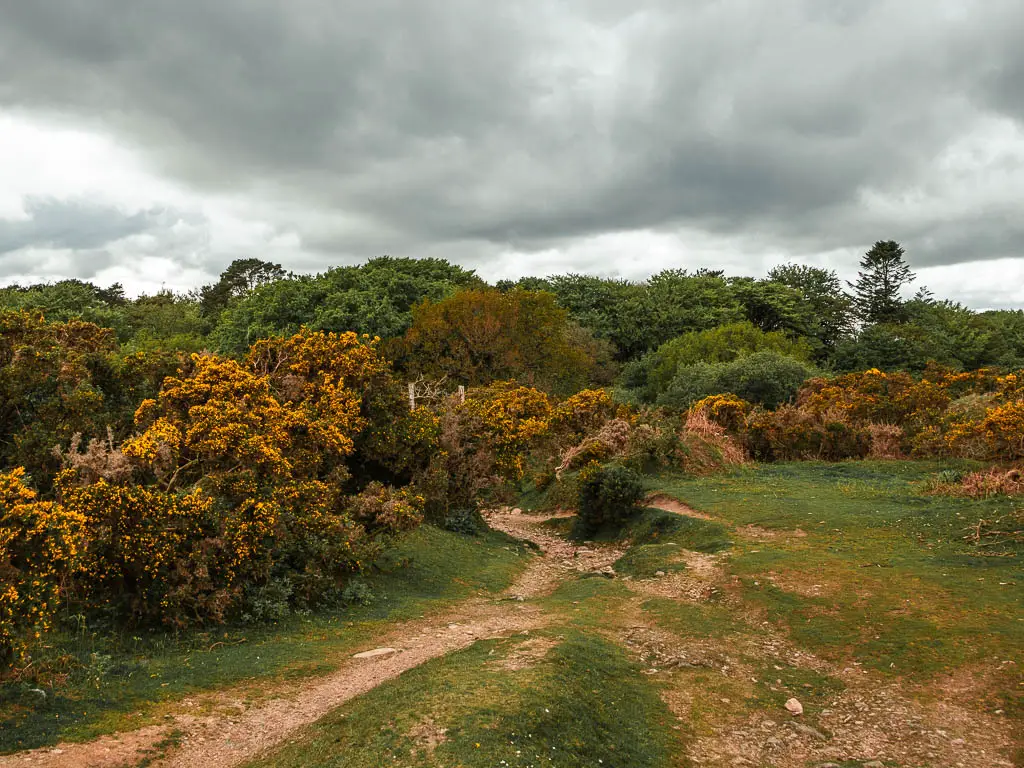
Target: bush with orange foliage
[(583, 413), (510, 418), (236, 481), (876, 397), (999, 433), (795, 433)]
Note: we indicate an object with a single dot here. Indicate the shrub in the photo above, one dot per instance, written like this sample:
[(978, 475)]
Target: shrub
[(706, 446), (886, 441), (582, 413), (765, 378), (357, 592), (991, 482), (878, 397), (387, 510), (40, 547), (608, 496), (791, 433), (726, 410), (724, 344), (510, 418), (607, 443), (467, 521), (268, 602), (653, 444)]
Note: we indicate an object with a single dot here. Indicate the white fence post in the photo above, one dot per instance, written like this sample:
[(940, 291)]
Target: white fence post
[(412, 396)]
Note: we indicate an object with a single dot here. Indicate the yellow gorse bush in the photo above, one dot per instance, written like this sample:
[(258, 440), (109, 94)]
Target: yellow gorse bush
[(40, 547), (510, 417)]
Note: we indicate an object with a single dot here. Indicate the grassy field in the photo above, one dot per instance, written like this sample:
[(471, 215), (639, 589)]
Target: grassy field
[(858, 563), (96, 682)]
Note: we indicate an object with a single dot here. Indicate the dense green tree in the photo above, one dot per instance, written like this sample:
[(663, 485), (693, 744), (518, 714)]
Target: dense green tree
[(955, 335), (241, 278), (888, 347), (71, 300), (831, 310), (943, 332), (526, 283), (883, 275), (772, 306), (683, 302), (1006, 337), (375, 298), (618, 311), (638, 317), (766, 378), (165, 320)]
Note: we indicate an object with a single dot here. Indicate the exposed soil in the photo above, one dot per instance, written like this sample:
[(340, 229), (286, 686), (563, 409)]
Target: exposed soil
[(561, 558), (701, 579), (668, 504)]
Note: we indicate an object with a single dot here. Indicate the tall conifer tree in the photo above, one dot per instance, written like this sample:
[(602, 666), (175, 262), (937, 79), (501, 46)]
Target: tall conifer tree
[(883, 273)]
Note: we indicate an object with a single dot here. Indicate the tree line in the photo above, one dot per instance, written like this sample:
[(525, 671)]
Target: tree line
[(559, 331)]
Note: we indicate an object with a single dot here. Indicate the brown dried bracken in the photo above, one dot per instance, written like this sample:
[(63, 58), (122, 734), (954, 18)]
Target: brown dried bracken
[(99, 461)]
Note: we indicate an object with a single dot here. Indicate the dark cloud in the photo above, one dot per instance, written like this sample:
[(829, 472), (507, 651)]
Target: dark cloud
[(78, 238), (75, 225), (531, 123)]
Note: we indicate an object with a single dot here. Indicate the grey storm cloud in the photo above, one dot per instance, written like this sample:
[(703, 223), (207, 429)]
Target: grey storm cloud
[(73, 225), (529, 123), (79, 238)]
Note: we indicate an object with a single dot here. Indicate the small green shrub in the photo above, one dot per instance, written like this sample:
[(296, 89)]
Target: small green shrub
[(467, 521), (357, 592), (608, 496), (269, 602)]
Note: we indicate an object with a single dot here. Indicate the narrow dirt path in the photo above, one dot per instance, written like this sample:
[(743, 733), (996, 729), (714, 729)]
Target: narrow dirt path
[(236, 732)]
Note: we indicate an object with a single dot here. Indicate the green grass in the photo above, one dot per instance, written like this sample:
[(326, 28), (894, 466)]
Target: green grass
[(899, 589), (694, 619), (652, 526), (559, 494), (98, 681), (582, 704), (656, 525), (646, 560)]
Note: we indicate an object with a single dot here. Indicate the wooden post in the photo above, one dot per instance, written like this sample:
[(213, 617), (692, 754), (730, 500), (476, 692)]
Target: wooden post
[(462, 393), (412, 396)]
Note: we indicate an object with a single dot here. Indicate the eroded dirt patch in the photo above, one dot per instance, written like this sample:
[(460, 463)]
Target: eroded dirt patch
[(770, 534), (668, 504), (526, 654), (561, 558)]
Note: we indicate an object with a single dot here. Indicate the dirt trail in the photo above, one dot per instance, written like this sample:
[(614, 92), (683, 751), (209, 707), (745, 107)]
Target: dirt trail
[(236, 732), (561, 558)]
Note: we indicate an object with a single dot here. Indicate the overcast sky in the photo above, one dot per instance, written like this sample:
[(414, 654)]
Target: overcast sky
[(153, 141)]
